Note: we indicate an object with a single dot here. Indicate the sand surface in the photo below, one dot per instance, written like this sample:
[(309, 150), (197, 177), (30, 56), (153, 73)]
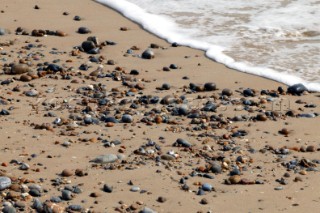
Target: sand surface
[(29, 136)]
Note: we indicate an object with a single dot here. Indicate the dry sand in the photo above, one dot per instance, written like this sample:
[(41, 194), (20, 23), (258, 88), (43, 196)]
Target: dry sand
[(43, 150)]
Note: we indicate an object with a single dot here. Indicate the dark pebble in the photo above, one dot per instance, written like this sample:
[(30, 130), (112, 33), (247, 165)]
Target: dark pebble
[(84, 30), (297, 89)]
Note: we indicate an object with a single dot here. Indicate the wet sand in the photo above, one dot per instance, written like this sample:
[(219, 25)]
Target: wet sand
[(28, 135)]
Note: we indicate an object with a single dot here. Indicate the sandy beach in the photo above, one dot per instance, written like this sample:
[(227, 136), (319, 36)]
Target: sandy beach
[(177, 132)]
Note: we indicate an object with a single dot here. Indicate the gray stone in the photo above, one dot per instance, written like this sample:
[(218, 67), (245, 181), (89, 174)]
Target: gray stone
[(5, 182), (147, 54), (2, 31), (135, 189), (207, 187), (66, 195), (108, 158), (182, 142), (127, 118)]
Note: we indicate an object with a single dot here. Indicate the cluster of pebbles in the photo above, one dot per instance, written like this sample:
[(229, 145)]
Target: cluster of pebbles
[(198, 113)]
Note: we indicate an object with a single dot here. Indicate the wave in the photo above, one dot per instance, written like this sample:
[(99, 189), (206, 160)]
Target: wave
[(168, 30)]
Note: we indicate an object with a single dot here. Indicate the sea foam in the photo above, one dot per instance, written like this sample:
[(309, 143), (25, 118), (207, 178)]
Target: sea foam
[(166, 28)]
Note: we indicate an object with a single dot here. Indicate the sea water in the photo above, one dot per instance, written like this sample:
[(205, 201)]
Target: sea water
[(276, 39)]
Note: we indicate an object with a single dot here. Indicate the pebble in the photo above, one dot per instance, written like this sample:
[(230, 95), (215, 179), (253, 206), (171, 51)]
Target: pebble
[(37, 205), (20, 69), (147, 210), (235, 179), (210, 86), (77, 18), (32, 93), (49, 207), (204, 201), (108, 158), (147, 54), (88, 45), (66, 173), (2, 31), (216, 167), (297, 89), (207, 187), (35, 192), (161, 199), (76, 208), (9, 209), (135, 189), (107, 188), (278, 188), (127, 118), (66, 195), (182, 142), (5, 182), (84, 30), (227, 92)]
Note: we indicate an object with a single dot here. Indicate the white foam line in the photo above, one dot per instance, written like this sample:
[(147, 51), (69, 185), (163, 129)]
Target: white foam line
[(168, 30)]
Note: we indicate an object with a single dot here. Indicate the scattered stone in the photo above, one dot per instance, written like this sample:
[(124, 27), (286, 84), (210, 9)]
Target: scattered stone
[(5, 182), (297, 89), (107, 188), (147, 54)]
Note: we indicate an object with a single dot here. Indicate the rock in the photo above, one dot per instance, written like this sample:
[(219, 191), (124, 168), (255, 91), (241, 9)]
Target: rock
[(107, 188), (2, 31), (34, 192), (235, 171), (173, 66), (19, 69), (9, 209), (204, 201), (88, 45), (5, 182), (77, 18), (25, 78), (278, 188), (216, 167), (108, 158), (37, 205), (127, 118), (66, 195), (207, 187), (227, 92), (32, 93), (84, 30), (182, 142), (147, 54), (134, 72), (49, 207), (297, 89), (311, 148), (167, 157), (147, 210), (24, 166), (235, 179), (261, 117), (161, 199), (201, 192), (135, 189), (165, 86), (95, 194), (66, 173), (55, 199), (76, 208), (54, 68), (248, 93), (210, 86)]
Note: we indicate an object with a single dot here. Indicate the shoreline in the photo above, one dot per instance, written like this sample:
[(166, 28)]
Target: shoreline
[(55, 124), (154, 25)]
